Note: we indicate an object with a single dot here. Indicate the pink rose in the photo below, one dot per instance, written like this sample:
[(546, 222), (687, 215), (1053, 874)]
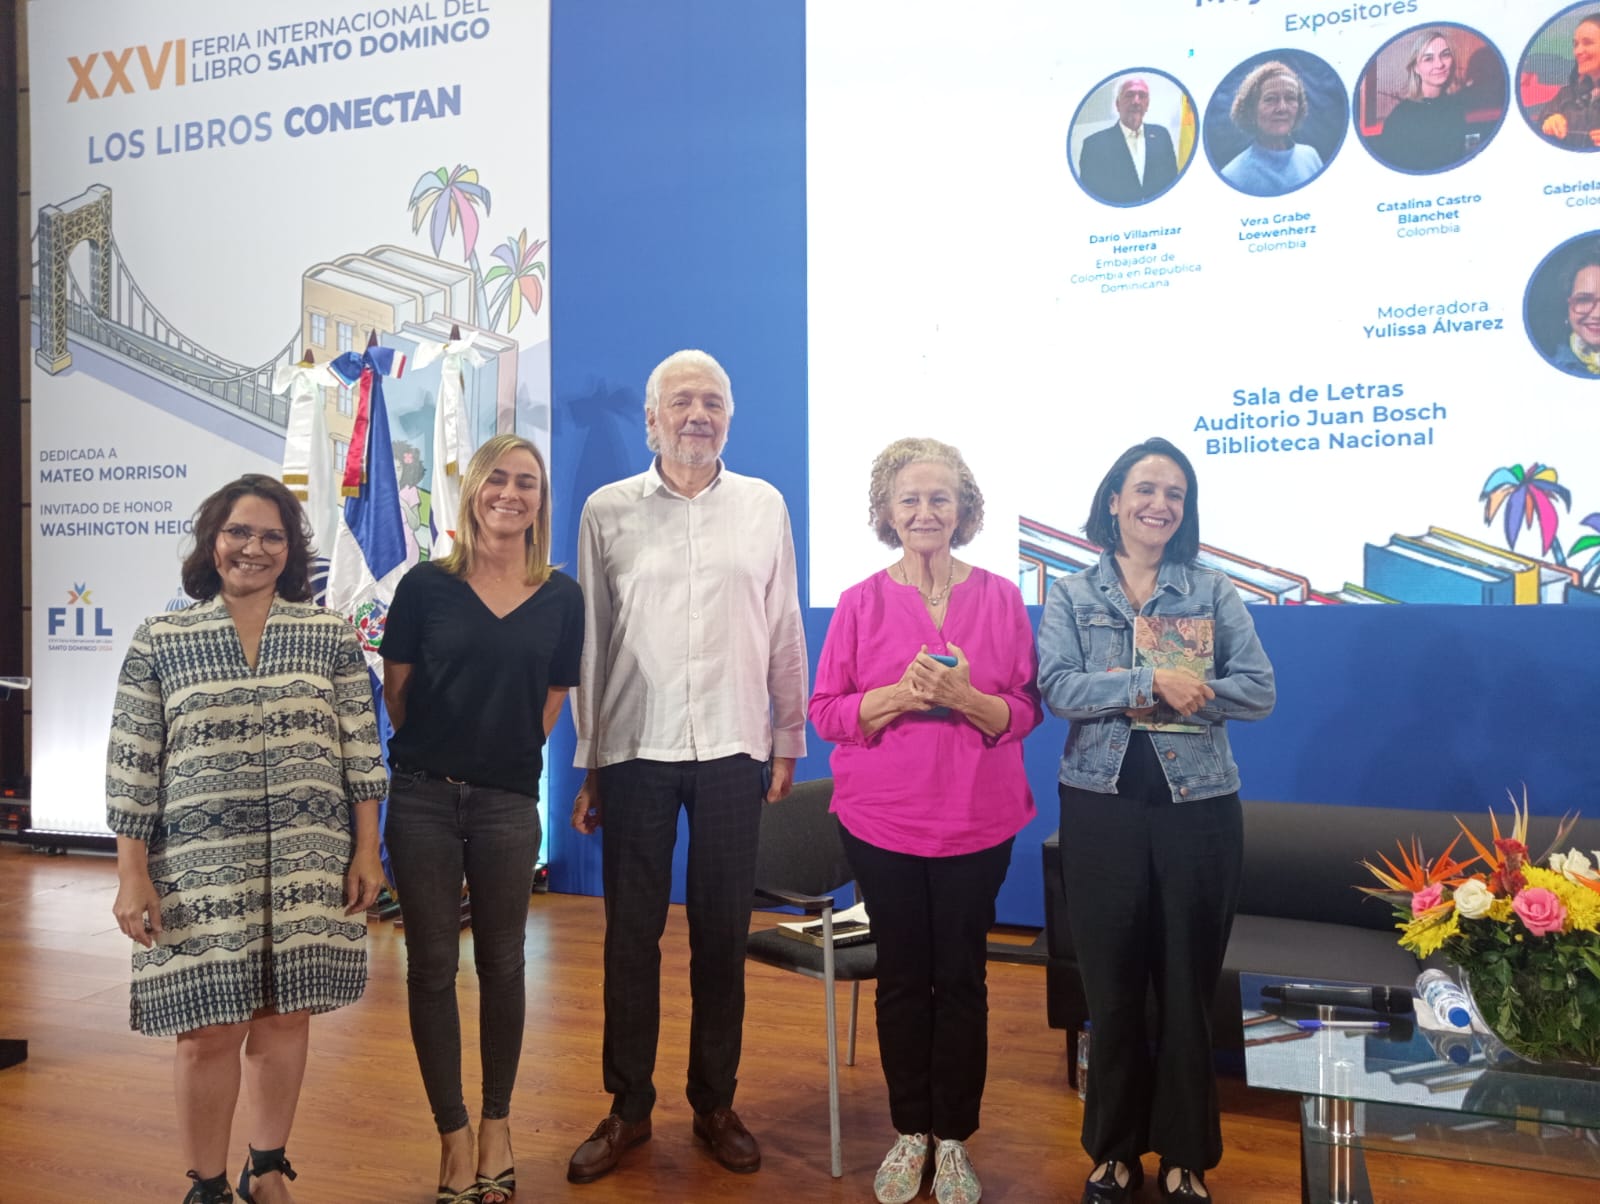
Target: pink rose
[(1426, 898), (1540, 910)]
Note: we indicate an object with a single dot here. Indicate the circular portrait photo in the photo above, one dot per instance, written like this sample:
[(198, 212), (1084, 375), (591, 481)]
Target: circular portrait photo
[(1132, 137), (1558, 79), (1275, 122), (1562, 307), (1431, 98)]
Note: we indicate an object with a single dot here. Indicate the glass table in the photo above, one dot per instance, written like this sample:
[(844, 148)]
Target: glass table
[(1413, 1090)]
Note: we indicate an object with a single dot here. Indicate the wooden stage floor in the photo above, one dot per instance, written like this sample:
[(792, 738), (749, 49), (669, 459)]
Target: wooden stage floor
[(89, 1116)]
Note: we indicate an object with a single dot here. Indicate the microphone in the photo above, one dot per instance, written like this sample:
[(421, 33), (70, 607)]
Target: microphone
[(1392, 1000)]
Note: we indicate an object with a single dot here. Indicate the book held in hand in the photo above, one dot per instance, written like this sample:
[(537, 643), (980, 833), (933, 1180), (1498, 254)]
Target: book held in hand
[(850, 927), (1162, 642)]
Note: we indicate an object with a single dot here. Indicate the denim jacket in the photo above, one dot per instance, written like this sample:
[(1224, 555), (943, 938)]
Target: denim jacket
[(1086, 634)]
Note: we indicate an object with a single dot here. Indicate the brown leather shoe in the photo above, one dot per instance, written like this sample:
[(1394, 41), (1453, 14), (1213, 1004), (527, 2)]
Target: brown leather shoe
[(730, 1142), (611, 1138)]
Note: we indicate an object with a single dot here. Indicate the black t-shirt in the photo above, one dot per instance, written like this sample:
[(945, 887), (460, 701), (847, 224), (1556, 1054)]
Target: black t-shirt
[(475, 703)]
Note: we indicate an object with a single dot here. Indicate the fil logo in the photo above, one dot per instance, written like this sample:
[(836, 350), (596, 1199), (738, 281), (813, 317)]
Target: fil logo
[(79, 617), (106, 72)]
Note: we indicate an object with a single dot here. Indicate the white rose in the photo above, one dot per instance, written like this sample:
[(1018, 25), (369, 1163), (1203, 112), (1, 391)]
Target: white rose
[(1573, 865), (1473, 899)]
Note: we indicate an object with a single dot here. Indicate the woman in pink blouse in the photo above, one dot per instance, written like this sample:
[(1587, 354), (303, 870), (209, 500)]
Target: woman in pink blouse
[(930, 791)]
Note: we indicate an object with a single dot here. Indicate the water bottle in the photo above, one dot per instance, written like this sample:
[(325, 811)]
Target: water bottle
[(1449, 1045), (1083, 1059), (1447, 1001)]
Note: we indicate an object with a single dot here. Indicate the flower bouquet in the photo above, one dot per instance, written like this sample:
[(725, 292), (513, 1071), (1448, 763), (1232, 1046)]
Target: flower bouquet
[(1525, 931)]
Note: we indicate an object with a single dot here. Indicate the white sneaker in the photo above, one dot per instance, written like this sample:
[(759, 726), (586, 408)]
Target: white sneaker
[(899, 1177), (954, 1180)]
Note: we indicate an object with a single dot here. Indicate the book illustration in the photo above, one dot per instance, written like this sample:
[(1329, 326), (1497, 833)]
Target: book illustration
[(1408, 573), (1045, 553), (852, 926), (1353, 593), (1185, 644), (1533, 581), (1250, 576), (1437, 565)]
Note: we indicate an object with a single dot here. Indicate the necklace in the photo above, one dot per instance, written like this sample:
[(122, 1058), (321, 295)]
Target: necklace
[(934, 599)]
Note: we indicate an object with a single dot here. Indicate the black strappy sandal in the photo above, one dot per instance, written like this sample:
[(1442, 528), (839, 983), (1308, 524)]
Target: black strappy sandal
[(262, 1162), (499, 1189), (209, 1191)]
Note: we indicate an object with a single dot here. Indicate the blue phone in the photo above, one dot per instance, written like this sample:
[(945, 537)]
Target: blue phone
[(949, 662)]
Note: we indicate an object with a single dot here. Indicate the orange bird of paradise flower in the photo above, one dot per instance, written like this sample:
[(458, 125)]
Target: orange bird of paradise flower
[(1415, 872)]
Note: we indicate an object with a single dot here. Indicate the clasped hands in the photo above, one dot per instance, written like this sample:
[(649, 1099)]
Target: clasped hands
[(927, 684), (1183, 692)]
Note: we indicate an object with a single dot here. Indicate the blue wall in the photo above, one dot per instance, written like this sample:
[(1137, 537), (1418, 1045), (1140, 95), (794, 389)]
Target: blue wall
[(678, 219)]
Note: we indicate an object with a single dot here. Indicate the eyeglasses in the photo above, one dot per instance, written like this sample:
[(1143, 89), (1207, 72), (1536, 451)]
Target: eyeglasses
[(1582, 303), (271, 541)]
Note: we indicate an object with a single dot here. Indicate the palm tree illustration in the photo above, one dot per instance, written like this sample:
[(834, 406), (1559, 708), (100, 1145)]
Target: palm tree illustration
[(445, 202), (1589, 575), (1525, 497), (520, 273)]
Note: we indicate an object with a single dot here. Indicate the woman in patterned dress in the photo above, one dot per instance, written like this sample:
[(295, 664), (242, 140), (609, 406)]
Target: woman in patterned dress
[(243, 780)]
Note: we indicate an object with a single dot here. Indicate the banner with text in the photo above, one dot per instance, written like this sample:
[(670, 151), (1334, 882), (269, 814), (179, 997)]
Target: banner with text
[(1346, 256), (223, 192)]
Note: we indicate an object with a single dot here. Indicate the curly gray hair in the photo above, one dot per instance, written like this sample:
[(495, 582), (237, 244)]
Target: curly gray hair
[(903, 452)]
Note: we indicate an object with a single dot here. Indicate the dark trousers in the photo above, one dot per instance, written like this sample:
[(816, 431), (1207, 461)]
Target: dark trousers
[(930, 919), (1151, 887), (439, 832), (640, 801)]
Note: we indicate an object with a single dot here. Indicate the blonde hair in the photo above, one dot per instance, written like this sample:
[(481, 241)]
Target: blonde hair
[(903, 452), (461, 559), (1414, 78)]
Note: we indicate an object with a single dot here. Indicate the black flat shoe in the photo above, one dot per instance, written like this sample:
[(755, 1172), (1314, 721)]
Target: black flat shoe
[(262, 1162), (1106, 1190), (1186, 1184)]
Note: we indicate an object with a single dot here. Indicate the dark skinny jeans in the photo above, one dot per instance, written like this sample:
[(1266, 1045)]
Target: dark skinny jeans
[(438, 832)]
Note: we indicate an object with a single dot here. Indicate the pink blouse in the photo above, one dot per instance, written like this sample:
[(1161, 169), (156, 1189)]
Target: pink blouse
[(932, 786)]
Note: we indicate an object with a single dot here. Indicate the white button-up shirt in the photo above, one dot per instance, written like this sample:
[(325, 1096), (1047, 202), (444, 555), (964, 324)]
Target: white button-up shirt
[(694, 648), (1136, 145)]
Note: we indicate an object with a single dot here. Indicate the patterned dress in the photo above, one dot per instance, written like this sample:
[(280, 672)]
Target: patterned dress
[(241, 783)]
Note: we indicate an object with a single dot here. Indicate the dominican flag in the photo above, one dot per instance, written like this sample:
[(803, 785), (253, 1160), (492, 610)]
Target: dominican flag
[(369, 547)]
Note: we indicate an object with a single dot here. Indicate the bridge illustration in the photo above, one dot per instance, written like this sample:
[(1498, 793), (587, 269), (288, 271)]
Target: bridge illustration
[(123, 337)]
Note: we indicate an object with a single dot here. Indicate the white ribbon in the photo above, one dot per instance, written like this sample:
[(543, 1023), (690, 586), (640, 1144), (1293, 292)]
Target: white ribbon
[(308, 468), (450, 447)]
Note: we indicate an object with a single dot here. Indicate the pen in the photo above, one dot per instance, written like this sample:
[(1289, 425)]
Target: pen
[(1366, 1026)]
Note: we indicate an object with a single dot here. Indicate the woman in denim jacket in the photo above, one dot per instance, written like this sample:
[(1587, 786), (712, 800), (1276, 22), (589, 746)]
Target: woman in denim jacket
[(1152, 835)]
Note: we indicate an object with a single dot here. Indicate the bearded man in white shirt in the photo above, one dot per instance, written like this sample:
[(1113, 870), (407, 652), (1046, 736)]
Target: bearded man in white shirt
[(1132, 161), (692, 695)]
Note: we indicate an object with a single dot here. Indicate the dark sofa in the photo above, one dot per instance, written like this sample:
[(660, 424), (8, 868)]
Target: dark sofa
[(1300, 915)]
